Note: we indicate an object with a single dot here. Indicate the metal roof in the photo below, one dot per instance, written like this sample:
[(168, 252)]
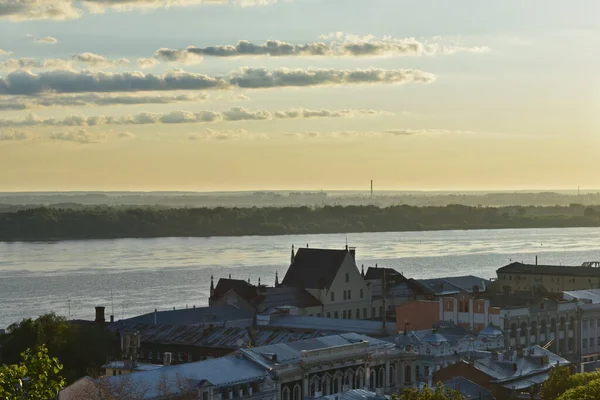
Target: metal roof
[(503, 369), (330, 324), (220, 337), (314, 268), (357, 394), (138, 366), (470, 390), (223, 371), (291, 352), (193, 316), (592, 295)]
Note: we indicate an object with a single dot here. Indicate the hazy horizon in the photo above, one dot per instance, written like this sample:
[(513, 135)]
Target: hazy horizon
[(250, 95)]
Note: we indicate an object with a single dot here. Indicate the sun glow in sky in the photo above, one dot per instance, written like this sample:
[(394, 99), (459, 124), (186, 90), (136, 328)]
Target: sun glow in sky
[(299, 94)]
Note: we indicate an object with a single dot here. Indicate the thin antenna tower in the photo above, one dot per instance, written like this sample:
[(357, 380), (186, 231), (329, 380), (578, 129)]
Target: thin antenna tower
[(112, 303)]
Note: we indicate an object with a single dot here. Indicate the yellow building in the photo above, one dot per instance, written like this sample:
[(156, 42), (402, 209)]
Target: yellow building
[(555, 278)]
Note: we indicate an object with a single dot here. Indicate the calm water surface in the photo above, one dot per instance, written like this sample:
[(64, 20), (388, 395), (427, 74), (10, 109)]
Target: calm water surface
[(144, 274)]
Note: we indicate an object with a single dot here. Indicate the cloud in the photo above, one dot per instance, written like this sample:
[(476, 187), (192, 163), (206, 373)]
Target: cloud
[(31, 63), (182, 117), (12, 135), (284, 77), (178, 56), (125, 135), (5, 53), (78, 136), (230, 134), (46, 40), (96, 60), (19, 10), (99, 99), (63, 81), (375, 134), (28, 83), (147, 62), (22, 10), (336, 45)]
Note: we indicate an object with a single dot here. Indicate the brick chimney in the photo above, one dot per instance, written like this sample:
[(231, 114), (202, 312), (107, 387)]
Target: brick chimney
[(100, 315)]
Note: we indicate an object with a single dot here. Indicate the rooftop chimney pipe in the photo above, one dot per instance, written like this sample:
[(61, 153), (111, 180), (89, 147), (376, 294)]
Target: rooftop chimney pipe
[(100, 315)]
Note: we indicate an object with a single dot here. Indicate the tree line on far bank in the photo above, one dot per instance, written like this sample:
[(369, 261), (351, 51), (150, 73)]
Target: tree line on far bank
[(52, 223)]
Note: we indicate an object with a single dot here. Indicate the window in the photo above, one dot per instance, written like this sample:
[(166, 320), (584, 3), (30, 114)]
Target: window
[(347, 277), (426, 370), (349, 294), (585, 342), (189, 357), (585, 324), (319, 314), (361, 293), (345, 295), (114, 372), (332, 296), (466, 306), (381, 311), (158, 355), (418, 370), (205, 395), (149, 354), (335, 315), (180, 356)]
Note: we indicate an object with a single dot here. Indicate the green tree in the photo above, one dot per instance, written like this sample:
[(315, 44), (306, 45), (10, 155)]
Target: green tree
[(589, 391), (439, 393), (562, 381), (37, 377)]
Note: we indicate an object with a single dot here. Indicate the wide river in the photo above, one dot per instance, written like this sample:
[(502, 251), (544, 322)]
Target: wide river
[(133, 276)]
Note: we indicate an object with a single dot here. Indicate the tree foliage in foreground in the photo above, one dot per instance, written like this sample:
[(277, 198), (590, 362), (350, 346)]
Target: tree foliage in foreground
[(437, 393), (563, 384), (48, 223), (36, 377), (81, 348)]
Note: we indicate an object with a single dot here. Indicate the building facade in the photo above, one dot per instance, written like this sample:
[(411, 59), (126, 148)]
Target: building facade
[(555, 278)]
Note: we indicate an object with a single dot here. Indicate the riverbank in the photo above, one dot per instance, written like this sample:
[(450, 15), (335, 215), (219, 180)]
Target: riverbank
[(47, 223)]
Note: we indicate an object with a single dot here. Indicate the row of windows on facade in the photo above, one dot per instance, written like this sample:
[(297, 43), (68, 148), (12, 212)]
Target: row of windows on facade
[(584, 343), (348, 294), (327, 385), (543, 324), (347, 314), (592, 324), (180, 356), (541, 279)]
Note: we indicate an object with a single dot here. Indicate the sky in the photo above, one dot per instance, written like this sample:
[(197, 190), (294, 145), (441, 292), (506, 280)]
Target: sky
[(213, 95)]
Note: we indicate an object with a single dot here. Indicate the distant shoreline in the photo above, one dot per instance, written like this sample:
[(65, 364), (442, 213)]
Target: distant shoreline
[(93, 223)]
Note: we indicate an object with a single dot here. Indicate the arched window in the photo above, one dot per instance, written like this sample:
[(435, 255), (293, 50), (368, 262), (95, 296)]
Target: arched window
[(315, 385), (392, 375), (285, 393), (326, 384), (337, 383), (297, 392), (407, 374), (381, 378), (372, 379), (359, 379), (349, 379)]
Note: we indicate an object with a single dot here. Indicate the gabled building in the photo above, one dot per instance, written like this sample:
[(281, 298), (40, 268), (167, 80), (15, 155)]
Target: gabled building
[(331, 277), (319, 283)]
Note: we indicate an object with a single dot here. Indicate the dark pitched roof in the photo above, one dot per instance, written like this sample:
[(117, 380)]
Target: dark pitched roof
[(286, 296), (244, 289), (454, 284), (314, 268), (377, 273), (192, 316), (520, 268)]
